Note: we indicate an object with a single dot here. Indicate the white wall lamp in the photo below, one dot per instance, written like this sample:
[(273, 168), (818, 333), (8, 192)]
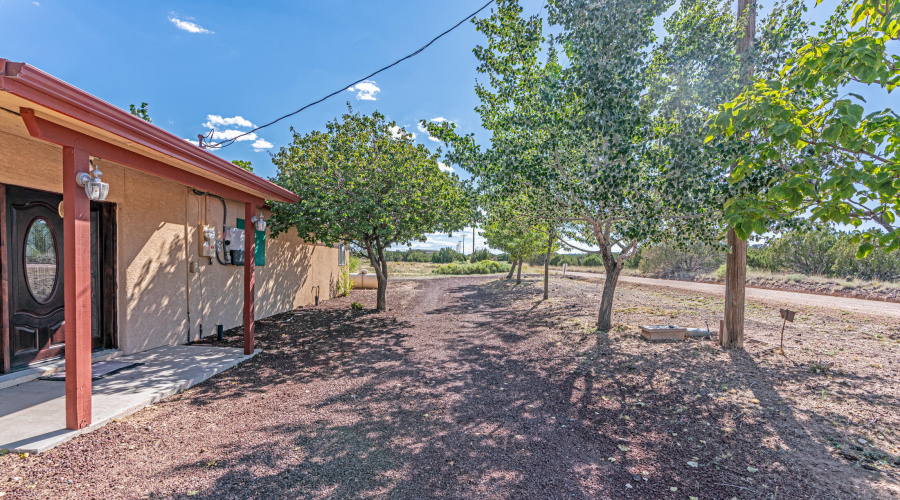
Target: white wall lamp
[(259, 222), (94, 188)]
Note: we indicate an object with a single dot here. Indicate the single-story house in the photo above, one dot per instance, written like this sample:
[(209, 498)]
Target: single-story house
[(115, 234)]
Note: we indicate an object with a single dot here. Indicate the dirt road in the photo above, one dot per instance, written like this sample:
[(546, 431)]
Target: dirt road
[(759, 295)]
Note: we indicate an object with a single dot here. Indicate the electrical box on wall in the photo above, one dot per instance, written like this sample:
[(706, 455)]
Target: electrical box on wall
[(207, 241), (234, 245)]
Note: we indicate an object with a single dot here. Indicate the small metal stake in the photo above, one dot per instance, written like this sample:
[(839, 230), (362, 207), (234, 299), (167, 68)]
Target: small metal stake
[(787, 315)]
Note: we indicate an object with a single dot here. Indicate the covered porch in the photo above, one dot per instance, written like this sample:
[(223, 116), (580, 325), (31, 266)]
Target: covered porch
[(89, 130), (33, 416)]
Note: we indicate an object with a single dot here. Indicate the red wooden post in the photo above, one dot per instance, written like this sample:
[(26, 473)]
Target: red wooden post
[(77, 277), (249, 266)]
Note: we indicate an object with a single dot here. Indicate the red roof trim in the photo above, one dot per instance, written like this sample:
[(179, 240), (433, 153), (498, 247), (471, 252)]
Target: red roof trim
[(34, 85)]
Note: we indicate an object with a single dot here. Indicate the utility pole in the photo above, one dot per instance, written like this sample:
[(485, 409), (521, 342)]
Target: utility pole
[(463, 244), (736, 262), (473, 239)]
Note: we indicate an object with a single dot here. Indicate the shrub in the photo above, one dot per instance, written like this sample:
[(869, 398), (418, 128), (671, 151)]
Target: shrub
[(481, 255), (878, 266), (796, 278), (721, 272), (482, 267), (354, 264), (570, 259), (503, 257), (446, 255), (803, 252), (345, 282), (592, 261), (669, 261), (356, 306), (417, 256)]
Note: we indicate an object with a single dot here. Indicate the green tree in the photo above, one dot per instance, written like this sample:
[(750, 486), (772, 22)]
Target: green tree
[(511, 231), (246, 165), (360, 183), (824, 156), (142, 112), (579, 133)]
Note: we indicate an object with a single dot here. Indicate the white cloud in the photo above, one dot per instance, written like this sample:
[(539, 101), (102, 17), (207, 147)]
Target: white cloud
[(398, 132), (237, 121), (224, 135), (444, 167), (189, 26), (365, 91), (261, 145), (36, 4), (439, 119)]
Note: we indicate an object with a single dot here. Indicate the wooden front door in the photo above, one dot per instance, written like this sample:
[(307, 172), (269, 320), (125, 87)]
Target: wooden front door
[(35, 270)]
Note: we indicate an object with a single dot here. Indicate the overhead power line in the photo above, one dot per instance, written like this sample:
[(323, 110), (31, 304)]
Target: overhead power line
[(231, 141)]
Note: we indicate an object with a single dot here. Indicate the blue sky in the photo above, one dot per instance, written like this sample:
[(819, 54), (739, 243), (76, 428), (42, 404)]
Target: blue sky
[(235, 63)]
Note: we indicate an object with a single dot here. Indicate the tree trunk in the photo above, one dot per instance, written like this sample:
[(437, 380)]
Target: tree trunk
[(736, 262), (547, 267), (604, 317), (519, 275), (735, 283), (512, 269), (376, 258), (381, 302)]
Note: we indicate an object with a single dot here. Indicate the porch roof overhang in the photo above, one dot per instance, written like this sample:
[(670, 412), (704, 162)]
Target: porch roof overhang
[(62, 114)]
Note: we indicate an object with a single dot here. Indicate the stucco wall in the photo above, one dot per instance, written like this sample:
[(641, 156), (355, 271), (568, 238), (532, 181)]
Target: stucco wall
[(160, 301)]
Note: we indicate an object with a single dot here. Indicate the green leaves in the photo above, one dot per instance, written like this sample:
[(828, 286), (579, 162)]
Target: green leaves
[(363, 180), (815, 148)]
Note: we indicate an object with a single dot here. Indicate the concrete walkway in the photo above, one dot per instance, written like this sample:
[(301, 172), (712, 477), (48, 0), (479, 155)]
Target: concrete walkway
[(33, 414), (775, 297)]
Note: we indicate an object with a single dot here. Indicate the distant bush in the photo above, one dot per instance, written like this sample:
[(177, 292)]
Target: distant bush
[(503, 257), (481, 255), (803, 252), (721, 272), (482, 267), (445, 255), (417, 256), (796, 278), (878, 266), (592, 261), (669, 261)]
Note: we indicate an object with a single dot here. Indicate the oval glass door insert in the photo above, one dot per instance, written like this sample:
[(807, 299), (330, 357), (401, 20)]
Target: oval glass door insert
[(40, 260)]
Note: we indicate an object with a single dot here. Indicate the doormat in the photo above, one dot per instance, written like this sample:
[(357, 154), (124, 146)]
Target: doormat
[(98, 370)]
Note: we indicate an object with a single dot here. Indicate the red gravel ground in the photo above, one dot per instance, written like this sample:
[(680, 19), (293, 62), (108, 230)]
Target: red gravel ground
[(473, 388)]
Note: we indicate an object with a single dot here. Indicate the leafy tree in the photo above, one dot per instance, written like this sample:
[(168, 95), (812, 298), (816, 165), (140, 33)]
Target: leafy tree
[(579, 134), (507, 229), (447, 255), (246, 165), (804, 252), (825, 156), (358, 182), (142, 112)]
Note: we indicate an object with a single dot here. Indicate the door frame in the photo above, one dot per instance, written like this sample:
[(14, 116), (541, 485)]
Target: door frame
[(109, 272), (109, 282)]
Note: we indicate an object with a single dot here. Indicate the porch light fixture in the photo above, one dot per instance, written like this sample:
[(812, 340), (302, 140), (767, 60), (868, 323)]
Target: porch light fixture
[(259, 222), (94, 188)]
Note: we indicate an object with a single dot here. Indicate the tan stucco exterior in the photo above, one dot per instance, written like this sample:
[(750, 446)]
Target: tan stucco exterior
[(160, 300)]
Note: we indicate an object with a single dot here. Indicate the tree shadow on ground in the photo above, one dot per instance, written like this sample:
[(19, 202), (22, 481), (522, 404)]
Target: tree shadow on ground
[(483, 394)]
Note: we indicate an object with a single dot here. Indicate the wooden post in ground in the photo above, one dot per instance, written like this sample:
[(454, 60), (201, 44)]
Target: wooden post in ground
[(77, 289), (249, 285), (736, 263)]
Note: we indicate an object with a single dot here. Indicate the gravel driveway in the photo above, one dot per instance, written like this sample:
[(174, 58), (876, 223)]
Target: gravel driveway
[(466, 388)]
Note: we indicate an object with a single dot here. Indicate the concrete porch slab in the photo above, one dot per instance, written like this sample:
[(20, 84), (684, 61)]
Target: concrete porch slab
[(39, 370), (33, 414)]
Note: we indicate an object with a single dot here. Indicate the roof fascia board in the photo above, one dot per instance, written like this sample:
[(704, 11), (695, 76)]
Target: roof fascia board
[(43, 89)]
